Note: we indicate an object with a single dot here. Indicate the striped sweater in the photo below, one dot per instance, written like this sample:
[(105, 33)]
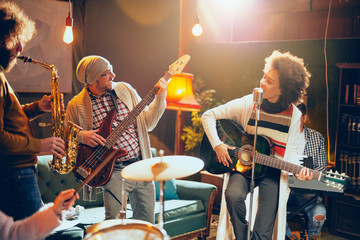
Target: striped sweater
[(240, 110), (274, 126)]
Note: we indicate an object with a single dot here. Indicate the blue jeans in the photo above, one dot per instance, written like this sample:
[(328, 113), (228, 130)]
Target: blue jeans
[(20, 192), (314, 209)]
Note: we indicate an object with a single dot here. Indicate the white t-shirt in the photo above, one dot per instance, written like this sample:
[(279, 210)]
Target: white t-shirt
[(301, 143)]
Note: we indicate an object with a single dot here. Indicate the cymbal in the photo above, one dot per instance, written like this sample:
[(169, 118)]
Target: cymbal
[(162, 168), (113, 222)]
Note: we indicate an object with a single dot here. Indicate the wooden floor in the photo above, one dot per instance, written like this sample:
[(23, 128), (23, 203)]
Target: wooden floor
[(325, 235)]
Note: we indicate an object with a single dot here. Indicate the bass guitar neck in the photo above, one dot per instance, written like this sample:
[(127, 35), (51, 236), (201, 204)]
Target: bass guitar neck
[(89, 159)]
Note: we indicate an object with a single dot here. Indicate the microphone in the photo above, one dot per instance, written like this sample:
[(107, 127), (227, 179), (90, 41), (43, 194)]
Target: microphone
[(257, 97)]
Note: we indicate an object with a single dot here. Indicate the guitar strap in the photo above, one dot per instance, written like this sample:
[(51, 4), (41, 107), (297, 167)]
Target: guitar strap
[(113, 99)]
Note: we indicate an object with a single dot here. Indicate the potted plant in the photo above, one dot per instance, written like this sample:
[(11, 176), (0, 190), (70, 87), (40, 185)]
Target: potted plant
[(192, 134)]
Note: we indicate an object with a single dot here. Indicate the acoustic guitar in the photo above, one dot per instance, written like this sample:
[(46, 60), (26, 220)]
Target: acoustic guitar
[(232, 133), (88, 158)]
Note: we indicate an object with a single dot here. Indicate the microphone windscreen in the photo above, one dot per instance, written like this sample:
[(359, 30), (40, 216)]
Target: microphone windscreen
[(258, 96)]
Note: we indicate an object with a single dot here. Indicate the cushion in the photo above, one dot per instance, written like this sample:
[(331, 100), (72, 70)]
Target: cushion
[(170, 191), (179, 208), (174, 209)]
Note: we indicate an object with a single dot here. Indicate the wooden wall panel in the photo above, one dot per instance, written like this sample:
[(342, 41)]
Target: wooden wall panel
[(280, 20), (235, 69), (312, 25)]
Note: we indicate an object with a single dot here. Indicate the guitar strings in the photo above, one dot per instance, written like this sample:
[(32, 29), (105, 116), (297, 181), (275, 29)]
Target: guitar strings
[(96, 155), (279, 163)]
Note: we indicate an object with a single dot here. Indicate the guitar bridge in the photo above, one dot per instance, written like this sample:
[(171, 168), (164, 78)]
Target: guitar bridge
[(82, 172)]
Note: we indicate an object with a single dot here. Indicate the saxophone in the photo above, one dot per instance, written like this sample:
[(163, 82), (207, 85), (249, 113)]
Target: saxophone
[(67, 133)]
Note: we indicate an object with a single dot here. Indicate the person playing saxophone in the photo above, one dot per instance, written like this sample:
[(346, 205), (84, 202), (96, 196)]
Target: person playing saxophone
[(18, 146)]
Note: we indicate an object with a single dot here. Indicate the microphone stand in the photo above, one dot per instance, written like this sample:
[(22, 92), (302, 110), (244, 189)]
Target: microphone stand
[(257, 94)]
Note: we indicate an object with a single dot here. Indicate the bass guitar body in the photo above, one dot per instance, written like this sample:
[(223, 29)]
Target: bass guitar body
[(84, 166), (232, 134), (89, 159)]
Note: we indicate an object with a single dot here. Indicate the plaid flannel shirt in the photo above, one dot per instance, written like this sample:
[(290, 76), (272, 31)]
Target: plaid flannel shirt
[(315, 147)]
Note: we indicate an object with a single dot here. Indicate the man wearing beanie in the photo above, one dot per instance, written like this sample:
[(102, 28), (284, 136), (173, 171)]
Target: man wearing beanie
[(89, 108)]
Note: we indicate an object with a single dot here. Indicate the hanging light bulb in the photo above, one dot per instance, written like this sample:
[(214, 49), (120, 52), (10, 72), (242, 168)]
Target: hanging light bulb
[(68, 34), (197, 28)]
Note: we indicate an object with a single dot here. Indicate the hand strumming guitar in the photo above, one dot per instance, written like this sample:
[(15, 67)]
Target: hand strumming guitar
[(223, 154)]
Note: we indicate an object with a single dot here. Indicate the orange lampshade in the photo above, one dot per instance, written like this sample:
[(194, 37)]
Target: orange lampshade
[(180, 93)]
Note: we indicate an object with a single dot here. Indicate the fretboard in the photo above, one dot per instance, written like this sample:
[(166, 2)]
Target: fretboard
[(282, 165), (131, 117)]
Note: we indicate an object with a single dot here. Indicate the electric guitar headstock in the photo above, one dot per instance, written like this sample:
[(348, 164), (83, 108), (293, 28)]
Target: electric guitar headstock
[(179, 65)]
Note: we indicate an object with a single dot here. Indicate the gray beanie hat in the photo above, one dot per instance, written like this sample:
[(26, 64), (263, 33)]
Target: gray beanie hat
[(90, 69)]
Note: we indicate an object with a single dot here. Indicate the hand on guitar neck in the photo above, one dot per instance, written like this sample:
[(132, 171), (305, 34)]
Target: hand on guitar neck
[(223, 157), (304, 174), (162, 85), (232, 134), (98, 145)]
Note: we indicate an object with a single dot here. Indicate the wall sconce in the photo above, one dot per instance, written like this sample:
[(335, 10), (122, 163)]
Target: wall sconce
[(197, 28), (68, 34), (180, 97)]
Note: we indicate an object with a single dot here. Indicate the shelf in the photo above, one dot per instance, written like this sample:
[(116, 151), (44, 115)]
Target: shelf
[(356, 107), (347, 149), (348, 65), (356, 148), (344, 211), (353, 192)]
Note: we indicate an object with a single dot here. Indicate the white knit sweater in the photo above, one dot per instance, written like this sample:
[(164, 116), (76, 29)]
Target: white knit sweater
[(79, 111), (240, 110)]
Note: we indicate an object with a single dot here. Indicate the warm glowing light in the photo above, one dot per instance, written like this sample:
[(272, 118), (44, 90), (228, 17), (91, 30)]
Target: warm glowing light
[(68, 35), (180, 93), (180, 97), (197, 30)]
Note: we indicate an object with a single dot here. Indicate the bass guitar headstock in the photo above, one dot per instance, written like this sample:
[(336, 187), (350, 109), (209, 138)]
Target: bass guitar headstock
[(179, 65), (335, 179)]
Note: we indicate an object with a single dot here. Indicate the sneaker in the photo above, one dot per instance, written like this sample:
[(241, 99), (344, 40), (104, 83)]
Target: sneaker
[(314, 237), (292, 237)]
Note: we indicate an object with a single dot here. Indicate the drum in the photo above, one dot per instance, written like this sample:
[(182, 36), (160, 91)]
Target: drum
[(125, 229)]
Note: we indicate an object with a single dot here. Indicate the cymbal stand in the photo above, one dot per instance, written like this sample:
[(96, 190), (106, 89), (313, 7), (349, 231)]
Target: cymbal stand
[(123, 201), (161, 211), (161, 195)]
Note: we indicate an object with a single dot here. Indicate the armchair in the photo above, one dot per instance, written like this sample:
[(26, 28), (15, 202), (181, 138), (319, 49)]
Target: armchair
[(187, 217)]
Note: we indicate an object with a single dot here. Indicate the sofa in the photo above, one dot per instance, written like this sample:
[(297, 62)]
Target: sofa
[(187, 205)]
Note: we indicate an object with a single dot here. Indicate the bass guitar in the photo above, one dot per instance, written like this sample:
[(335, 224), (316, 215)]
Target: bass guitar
[(88, 158), (232, 133)]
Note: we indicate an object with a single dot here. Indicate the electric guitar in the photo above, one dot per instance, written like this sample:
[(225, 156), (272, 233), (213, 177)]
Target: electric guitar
[(231, 133), (88, 158)]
